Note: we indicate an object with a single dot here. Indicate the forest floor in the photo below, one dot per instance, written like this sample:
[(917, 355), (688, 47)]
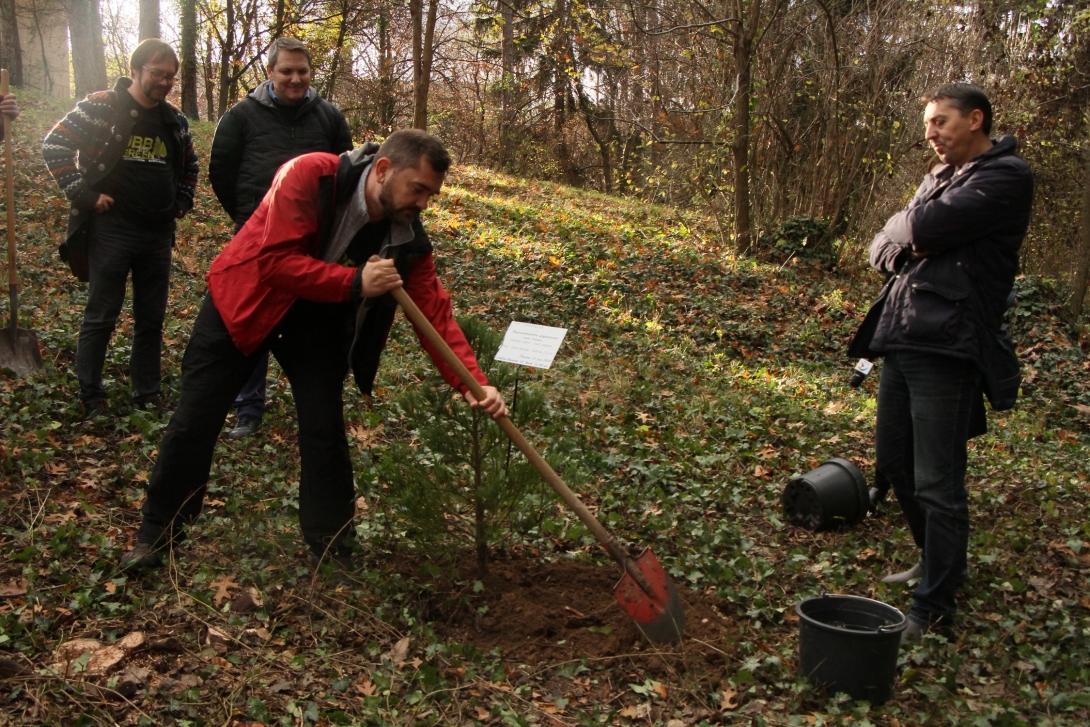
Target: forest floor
[(689, 390)]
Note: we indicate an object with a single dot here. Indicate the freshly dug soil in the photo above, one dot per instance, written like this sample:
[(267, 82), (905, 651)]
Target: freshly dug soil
[(542, 613)]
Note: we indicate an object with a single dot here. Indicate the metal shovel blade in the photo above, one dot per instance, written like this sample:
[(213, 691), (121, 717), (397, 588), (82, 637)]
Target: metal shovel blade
[(19, 351), (658, 614)]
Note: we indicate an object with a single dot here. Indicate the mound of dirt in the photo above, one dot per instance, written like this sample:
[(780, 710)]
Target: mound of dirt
[(546, 613)]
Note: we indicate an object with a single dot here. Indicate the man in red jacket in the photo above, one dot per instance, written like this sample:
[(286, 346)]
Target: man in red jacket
[(300, 280)]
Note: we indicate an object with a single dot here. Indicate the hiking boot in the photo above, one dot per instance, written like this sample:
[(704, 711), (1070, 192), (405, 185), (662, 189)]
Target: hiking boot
[(143, 557), (94, 410), (246, 426)]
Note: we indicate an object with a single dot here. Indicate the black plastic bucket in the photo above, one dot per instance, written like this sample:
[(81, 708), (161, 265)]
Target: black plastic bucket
[(849, 644), (835, 493)]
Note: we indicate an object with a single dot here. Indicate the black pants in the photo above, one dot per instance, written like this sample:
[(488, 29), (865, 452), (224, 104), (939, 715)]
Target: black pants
[(117, 246), (311, 344)]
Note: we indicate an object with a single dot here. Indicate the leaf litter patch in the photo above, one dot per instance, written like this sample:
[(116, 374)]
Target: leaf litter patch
[(547, 613)]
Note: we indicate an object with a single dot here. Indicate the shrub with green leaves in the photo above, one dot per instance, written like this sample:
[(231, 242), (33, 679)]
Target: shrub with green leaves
[(802, 237), (452, 477)]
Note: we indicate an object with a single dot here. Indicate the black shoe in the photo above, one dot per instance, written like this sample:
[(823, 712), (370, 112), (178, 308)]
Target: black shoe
[(155, 405), (246, 426), (143, 557), (94, 409), (915, 631), (339, 567)]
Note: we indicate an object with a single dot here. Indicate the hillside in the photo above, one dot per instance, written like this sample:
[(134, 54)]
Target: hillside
[(690, 388)]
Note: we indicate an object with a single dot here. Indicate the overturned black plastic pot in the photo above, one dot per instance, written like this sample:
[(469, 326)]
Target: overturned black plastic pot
[(849, 644), (834, 494)]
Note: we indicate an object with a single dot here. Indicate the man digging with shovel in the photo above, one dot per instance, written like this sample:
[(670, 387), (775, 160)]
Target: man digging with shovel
[(301, 280)]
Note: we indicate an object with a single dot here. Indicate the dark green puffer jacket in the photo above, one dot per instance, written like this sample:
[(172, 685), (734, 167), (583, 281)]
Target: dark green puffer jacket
[(257, 135)]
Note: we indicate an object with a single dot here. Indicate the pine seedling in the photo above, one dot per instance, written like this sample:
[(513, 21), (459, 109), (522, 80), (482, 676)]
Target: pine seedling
[(456, 478)]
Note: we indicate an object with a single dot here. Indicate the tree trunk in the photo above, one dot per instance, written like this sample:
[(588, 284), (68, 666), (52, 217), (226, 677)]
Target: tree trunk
[(562, 55), (423, 39), (225, 60), (386, 73), (149, 19), (189, 59), (281, 18), (507, 84), (11, 50), (654, 69), (744, 49), (1078, 287), (604, 141), (209, 79), (88, 52), (338, 49)]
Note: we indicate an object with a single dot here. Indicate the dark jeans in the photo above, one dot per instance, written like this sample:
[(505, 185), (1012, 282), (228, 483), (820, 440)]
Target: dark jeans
[(116, 246), (925, 405), (251, 400), (311, 344)]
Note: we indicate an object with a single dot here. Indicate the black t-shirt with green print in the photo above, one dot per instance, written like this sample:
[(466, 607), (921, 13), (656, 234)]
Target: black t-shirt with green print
[(142, 183)]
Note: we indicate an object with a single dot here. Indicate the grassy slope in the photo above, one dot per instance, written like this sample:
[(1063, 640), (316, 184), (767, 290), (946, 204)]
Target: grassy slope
[(688, 390)]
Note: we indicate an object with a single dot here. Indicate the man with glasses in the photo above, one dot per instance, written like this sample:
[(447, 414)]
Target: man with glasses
[(125, 160), (279, 120)]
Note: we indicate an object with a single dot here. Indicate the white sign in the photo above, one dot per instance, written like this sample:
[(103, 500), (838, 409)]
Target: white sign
[(528, 344)]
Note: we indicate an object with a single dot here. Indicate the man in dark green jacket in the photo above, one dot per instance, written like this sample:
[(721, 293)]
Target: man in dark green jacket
[(279, 120)]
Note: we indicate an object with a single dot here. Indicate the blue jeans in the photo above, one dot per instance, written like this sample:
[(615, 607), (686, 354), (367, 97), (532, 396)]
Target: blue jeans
[(117, 246), (251, 399), (925, 407)]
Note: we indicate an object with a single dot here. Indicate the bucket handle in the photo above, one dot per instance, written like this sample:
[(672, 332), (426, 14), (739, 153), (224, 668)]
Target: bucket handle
[(888, 628)]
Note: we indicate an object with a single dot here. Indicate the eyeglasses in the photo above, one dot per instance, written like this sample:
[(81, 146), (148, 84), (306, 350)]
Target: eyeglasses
[(158, 75)]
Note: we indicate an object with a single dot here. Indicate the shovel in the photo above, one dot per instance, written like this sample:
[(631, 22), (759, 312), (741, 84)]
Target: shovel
[(18, 347), (645, 591)]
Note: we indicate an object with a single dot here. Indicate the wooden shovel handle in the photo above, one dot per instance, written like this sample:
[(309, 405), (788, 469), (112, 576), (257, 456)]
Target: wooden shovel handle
[(418, 319)]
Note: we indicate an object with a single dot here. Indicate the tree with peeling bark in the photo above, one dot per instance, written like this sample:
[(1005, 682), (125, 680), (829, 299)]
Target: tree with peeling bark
[(149, 19), (88, 52)]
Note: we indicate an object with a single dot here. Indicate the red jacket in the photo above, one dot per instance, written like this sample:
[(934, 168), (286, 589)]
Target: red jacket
[(276, 258)]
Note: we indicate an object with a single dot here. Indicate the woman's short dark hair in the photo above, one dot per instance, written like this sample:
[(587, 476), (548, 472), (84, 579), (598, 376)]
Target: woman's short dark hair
[(966, 98), (406, 147), (281, 45), (150, 51)]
